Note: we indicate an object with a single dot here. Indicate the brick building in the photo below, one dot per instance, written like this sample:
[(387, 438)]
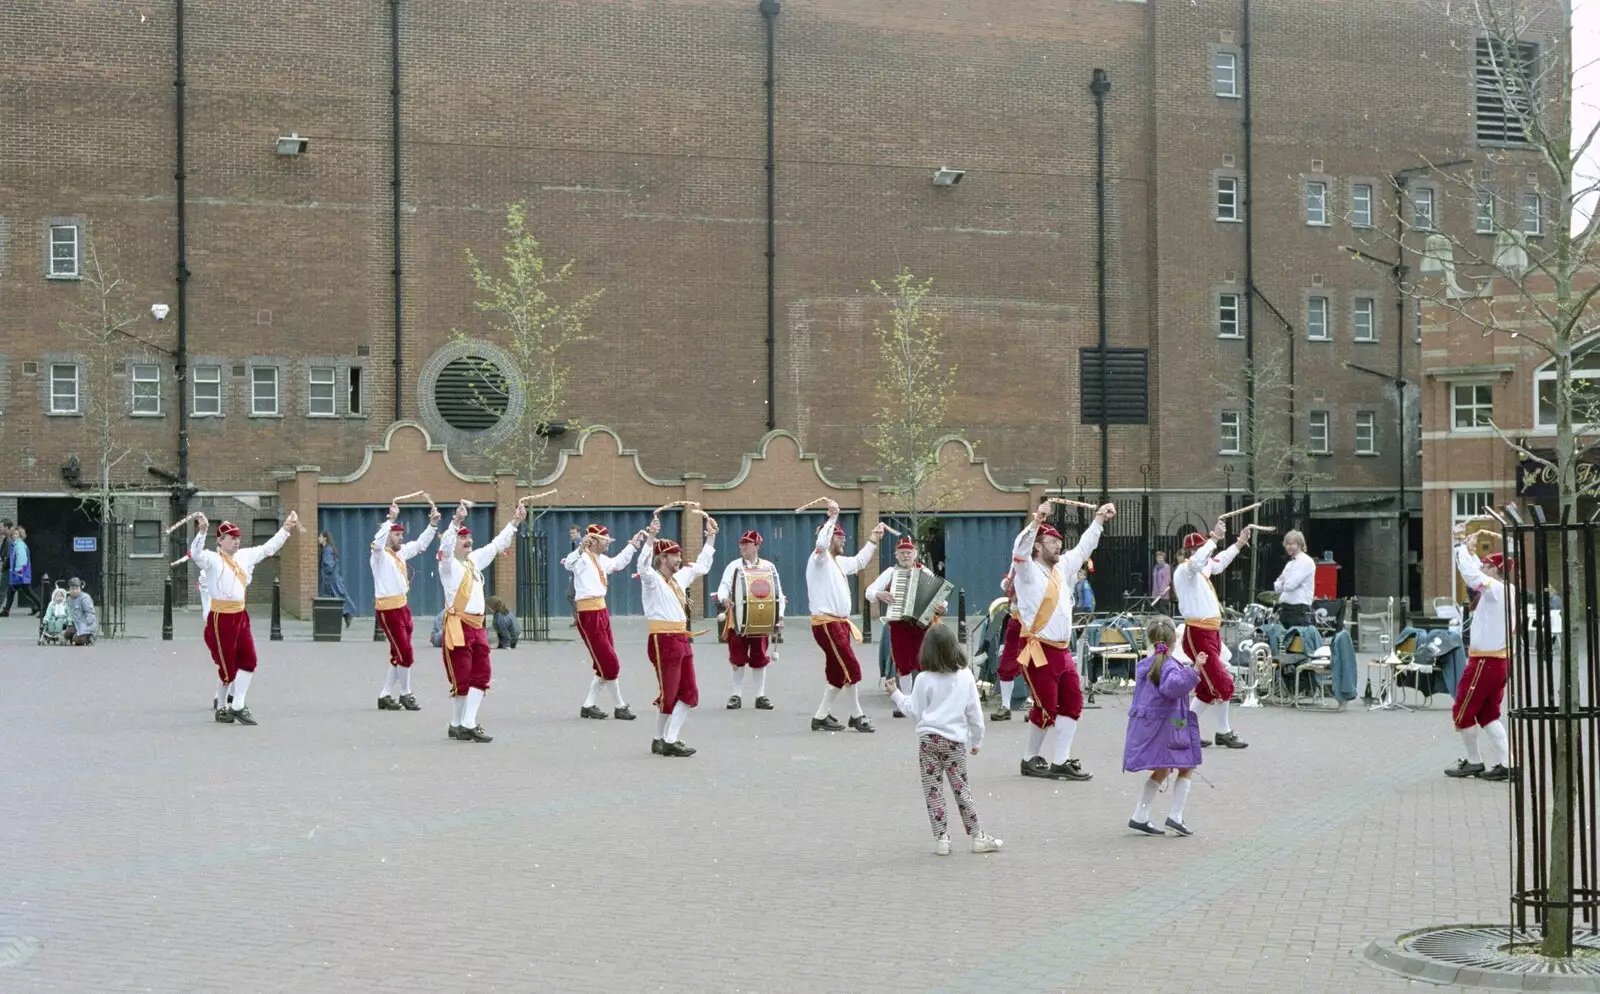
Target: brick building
[(637, 135)]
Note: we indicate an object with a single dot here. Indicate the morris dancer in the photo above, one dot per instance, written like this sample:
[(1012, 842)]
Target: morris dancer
[(466, 647), (748, 651), (1483, 682), (391, 584), (905, 637), (224, 578), (1007, 671), (589, 566), (664, 578), (1041, 576), (1202, 624), (828, 595)]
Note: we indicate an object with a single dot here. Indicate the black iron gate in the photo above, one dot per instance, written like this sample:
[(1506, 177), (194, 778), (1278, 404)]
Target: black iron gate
[(533, 591), (111, 598)]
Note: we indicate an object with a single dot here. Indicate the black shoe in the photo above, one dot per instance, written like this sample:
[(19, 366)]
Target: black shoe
[(1036, 767), (241, 716), (734, 703), (1205, 743), (454, 731), (224, 716), (1498, 774), (677, 749), (476, 735), (347, 621), (590, 711), (409, 702), (861, 724), (387, 703), (623, 714), (1145, 827), (899, 714), (828, 724), (1230, 740), (1070, 770), (1004, 714), (655, 747), (1465, 769), (762, 704), (1179, 827)]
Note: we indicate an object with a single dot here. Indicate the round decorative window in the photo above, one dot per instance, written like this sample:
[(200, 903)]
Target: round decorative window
[(468, 396)]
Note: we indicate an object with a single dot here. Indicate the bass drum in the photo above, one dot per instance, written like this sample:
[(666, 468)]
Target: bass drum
[(755, 603)]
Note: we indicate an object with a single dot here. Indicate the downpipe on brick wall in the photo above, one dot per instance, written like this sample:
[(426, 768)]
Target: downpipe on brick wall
[(1248, 124), (180, 487), (769, 13), (1100, 85), (394, 186)]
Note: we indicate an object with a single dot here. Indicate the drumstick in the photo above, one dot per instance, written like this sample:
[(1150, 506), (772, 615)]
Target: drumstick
[(180, 524), (819, 500), (1071, 503), (1235, 514), (532, 497), (419, 493)]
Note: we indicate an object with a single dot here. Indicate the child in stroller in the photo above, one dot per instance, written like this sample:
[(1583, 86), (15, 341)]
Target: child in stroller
[(54, 619)]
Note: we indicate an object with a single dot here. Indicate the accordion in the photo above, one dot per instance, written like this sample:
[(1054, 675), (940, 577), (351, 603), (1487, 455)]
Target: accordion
[(917, 595)]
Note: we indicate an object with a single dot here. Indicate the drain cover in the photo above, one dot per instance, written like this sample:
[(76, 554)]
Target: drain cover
[(1490, 956), (15, 949)]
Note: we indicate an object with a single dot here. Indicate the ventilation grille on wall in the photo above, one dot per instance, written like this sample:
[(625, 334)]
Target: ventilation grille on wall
[(239, 371), (471, 394), (1228, 161), (30, 369), (1230, 277), (1316, 165), (1127, 379)]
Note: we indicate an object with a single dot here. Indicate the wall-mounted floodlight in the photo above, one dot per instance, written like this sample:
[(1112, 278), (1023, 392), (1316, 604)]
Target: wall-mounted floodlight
[(945, 176), (292, 144)]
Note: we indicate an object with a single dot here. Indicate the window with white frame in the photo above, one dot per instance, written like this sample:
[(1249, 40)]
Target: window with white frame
[(1364, 319), (63, 388), (1225, 74), (64, 255), (1316, 202), (1422, 217), (1532, 214), (322, 378), (263, 390), (1228, 315), (146, 538), (1232, 433), (146, 388), (1320, 436), (207, 384), (1467, 504), (1227, 200), (1366, 433), (1317, 319), (1361, 205), (1484, 225), (1585, 387), (1471, 406)]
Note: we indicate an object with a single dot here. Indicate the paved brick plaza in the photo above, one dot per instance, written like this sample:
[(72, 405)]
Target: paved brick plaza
[(336, 847)]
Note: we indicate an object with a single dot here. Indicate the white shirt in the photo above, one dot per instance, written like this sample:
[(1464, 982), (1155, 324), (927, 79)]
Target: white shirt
[(217, 581), (1295, 585), (827, 590), (1487, 630), (945, 704), (1197, 599), (389, 578), (1030, 579), (451, 569), (660, 603), (724, 591), (881, 584), (588, 580)]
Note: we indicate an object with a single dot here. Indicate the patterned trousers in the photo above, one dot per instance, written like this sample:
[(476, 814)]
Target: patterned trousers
[(940, 758)]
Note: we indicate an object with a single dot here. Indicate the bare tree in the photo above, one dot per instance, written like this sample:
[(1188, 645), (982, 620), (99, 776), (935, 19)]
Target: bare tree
[(913, 389), (534, 315)]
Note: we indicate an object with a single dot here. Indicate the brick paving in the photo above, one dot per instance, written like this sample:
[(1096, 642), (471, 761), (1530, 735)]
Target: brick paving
[(146, 848)]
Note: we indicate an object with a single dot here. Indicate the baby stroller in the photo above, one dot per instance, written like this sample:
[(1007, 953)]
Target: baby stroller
[(55, 618)]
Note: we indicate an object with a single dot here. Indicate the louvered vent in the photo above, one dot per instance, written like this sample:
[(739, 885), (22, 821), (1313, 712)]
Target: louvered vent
[(1505, 90), (471, 394)]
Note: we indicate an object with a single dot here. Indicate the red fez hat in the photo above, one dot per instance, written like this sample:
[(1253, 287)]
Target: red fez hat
[(905, 543), (837, 530), (1194, 540), (1499, 561), (397, 527), (1089, 566), (753, 537), (1046, 529), (601, 530), (464, 531), (228, 528), (666, 545)]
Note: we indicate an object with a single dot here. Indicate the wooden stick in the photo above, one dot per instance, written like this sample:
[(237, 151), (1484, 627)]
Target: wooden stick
[(891, 531), (1242, 510), (819, 500), (676, 503), (1071, 503), (178, 562), (419, 493), (180, 524), (1252, 526), (533, 497)]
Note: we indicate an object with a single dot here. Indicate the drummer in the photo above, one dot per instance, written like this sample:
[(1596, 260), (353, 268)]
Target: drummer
[(748, 651), (905, 635)]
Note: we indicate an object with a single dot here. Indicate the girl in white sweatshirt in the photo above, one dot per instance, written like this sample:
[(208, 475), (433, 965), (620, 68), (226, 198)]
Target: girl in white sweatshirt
[(944, 704)]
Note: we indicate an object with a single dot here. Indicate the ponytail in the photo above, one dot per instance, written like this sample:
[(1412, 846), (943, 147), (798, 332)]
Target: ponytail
[(1162, 633)]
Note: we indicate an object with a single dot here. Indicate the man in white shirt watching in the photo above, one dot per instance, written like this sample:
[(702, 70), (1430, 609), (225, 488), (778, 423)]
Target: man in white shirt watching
[(1296, 585)]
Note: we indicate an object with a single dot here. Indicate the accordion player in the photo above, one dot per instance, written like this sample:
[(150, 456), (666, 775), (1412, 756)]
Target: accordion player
[(913, 598)]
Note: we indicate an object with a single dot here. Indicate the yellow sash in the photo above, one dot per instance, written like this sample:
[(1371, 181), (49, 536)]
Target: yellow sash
[(227, 607), (1208, 624), (591, 604), (1485, 653), (828, 619), (391, 602), (604, 583), (244, 581), (1032, 654), (454, 637), (671, 628)]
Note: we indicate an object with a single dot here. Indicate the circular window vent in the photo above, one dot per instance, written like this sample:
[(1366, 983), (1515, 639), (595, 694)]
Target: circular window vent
[(471, 394)]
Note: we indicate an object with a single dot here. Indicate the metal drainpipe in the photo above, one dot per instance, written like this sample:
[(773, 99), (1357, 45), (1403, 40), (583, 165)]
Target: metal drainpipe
[(1249, 252), (1100, 85), (769, 13), (394, 187), (180, 491), (1402, 513)]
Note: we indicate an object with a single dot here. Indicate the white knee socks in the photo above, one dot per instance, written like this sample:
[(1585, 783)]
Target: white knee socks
[(1180, 794), (594, 692), (1223, 726), (1035, 741), (222, 694), (738, 681), (1147, 797), (1006, 687), (1200, 709), (906, 682), (1066, 728), (389, 681), (1469, 737), (661, 725), (760, 678), (1499, 751), (469, 713), (402, 679), (457, 705), (680, 711), (616, 691), (828, 697), (241, 683), (854, 690)]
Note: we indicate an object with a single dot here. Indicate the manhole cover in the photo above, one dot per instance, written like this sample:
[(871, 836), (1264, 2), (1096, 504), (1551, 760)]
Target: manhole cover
[(1489, 956), (15, 949)]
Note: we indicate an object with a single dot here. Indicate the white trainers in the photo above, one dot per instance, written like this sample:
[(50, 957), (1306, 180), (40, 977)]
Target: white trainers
[(942, 847), (983, 843)]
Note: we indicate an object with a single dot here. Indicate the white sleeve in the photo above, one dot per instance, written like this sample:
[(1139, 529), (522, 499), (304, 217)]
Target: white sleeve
[(783, 600), (1022, 548), (726, 586), (974, 712), (250, 557), (1471, 569), (415, 546), (482, 557), (1084, 549), (379, 539), (571, 560), (620, 561), (1196, 562), (197, 547), (881, 584), (856, 563), (914, 705), (825, 533), (646, 568), (1219, 562), (702, 563)]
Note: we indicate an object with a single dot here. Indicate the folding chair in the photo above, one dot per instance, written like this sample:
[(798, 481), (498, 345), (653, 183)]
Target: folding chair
[(1115, 647)]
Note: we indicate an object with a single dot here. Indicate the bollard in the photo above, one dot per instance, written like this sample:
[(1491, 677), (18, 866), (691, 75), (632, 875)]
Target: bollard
[(166, 611), (866, 625), (277, 617), (961, 616), (377, 629)]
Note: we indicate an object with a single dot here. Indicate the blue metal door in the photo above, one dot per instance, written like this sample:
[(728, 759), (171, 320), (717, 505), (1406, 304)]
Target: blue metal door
[(787, 540), (353, 527), (622, 596), (977, 553)]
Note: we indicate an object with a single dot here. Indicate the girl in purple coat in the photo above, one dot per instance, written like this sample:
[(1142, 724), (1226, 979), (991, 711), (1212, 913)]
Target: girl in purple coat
[(1163, 734)]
